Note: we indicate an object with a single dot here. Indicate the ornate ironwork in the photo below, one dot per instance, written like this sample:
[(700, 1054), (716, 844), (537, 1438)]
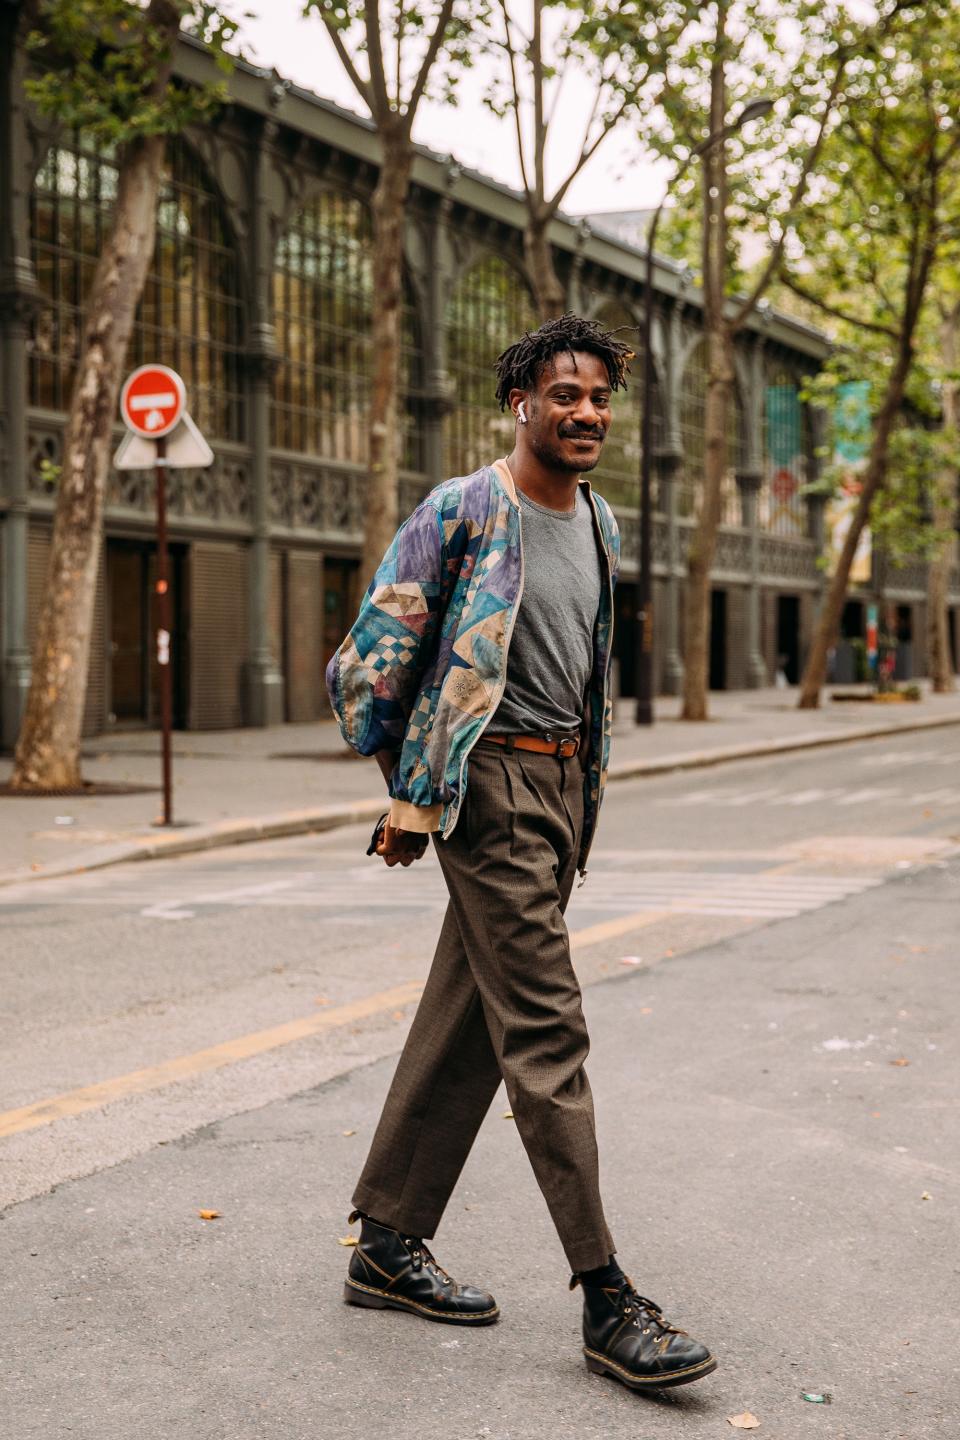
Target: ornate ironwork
[(309, 495), (789, 559), (733, 552), (910, 576)]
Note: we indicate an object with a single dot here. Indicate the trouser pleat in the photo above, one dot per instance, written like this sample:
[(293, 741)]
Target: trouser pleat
[(502, 999)]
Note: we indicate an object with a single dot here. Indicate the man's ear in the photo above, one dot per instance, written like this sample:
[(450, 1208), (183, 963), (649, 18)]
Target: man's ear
[(519, 402)]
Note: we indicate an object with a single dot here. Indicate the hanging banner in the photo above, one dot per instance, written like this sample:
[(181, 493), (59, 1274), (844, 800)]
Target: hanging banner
[(785, 509), (851, 430)]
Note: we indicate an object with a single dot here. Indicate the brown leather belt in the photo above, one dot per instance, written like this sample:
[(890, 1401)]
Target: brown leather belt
[(566, 747)]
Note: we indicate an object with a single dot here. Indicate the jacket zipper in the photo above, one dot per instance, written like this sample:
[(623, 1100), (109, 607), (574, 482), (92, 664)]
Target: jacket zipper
[(502, 687)]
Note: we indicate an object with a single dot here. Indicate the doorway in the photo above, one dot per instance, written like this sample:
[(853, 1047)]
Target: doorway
[(718, 639), (903, 634), (788, 637), (339, 601), (134, 672), (625, 635)]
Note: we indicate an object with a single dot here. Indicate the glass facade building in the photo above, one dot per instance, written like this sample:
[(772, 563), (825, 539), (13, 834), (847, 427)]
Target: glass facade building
[(261, 295)]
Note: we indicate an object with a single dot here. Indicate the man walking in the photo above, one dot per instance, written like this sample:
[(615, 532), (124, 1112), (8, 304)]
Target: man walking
[(477, 674)]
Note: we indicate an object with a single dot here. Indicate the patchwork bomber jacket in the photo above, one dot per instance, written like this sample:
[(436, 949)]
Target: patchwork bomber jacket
[(425, 664)]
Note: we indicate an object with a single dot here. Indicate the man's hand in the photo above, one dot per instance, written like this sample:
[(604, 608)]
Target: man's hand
[(401, 847)]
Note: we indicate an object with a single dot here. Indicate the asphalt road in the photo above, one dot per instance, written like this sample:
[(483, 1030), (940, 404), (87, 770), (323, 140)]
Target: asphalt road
[(759, 944)]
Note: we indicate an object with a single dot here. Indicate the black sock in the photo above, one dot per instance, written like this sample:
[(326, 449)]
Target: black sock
[(605, 1276)]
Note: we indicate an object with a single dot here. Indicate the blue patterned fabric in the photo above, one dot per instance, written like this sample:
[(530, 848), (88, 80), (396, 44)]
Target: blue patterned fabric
[(423, 668)]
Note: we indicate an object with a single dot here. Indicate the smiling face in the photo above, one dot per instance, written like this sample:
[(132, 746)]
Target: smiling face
[(568, 412)]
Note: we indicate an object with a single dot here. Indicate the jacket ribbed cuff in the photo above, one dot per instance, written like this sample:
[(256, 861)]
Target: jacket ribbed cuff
[(422, 819)]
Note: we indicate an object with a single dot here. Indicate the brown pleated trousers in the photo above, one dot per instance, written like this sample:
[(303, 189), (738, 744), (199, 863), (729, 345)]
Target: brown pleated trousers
[(502, 1000)]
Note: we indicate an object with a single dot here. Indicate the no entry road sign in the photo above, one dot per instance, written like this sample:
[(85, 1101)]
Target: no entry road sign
[(152, 401)]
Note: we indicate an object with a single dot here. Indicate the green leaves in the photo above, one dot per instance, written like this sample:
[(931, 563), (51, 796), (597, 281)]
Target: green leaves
[(103, 65)]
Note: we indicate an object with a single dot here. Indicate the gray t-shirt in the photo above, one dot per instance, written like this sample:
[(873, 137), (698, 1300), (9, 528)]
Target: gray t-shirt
[(551, 649)]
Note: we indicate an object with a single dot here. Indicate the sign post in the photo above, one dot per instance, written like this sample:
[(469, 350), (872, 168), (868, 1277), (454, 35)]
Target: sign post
[(164, 627), (161, 434)]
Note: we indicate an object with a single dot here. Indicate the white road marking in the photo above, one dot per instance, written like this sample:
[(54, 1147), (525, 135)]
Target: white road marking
[(348, 894), (899, 758), (840, 795), (178, 910), (763, 894), (633, 882)]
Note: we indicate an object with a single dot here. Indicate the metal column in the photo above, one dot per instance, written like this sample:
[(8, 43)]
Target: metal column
[(18, 297), (264, 699)]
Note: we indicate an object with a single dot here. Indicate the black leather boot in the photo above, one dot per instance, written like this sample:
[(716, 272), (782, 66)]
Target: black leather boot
[(392, 1271), (626, 1336)]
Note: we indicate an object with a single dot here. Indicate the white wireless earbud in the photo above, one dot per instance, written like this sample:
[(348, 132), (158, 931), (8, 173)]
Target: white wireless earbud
[(521, 412)]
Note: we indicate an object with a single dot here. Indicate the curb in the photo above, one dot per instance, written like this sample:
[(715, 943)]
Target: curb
[(753, 750), (206, 837), (244, 831)]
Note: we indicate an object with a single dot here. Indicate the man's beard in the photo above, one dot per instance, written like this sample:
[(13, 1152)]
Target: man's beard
[(554, 459)]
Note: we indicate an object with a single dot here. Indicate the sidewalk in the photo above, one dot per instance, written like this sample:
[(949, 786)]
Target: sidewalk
[(239, 785)]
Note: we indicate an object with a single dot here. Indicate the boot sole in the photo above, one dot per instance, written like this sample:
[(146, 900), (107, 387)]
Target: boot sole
[(371, 1299), (602, 1365)]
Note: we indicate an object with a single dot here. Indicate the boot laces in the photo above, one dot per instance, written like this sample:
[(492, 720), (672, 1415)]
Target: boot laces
[(647, 1314), (421, 1255)]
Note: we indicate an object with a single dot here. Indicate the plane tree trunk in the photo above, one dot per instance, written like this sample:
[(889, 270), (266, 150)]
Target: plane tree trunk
[(47, 754)]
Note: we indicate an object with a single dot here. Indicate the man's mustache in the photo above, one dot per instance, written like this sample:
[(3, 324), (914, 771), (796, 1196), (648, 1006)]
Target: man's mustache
[(579, 432)]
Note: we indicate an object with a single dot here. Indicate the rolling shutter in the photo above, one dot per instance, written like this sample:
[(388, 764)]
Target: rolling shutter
[(219, 590), (304, 636)]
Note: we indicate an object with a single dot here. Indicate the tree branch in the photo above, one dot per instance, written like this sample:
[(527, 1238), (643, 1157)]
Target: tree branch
[(398, 58), (875, 327), (539, 130), (586, 154), (360, 85), (381, 108), (516, 95), (813, 154), (433, 50), (871, 143)]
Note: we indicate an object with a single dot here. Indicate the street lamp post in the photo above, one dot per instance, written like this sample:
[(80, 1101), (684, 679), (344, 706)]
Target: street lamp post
[(644, 633)]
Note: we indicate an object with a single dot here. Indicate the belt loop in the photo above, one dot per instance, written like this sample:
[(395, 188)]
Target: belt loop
[(510, 744)]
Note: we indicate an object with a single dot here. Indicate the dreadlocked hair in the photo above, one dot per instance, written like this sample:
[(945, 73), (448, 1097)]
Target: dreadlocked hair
[(521, 364)]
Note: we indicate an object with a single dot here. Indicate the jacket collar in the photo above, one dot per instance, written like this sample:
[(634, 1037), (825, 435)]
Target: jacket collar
[(502, 470)]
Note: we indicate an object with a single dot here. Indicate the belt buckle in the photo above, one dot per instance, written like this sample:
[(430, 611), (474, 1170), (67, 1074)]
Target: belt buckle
[(573, 741)]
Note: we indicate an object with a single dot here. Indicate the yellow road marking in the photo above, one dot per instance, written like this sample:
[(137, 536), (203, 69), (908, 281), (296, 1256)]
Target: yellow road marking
[(230, 1052), (611, 929), (184, 1067)]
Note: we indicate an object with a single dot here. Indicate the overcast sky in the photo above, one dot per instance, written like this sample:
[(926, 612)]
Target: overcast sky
[(617, 178)]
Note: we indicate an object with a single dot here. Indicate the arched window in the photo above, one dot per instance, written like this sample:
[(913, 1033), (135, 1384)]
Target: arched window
[(693, 401), (323, 317), (489, 309), (618, 474), (781, 508), (190, 315)]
